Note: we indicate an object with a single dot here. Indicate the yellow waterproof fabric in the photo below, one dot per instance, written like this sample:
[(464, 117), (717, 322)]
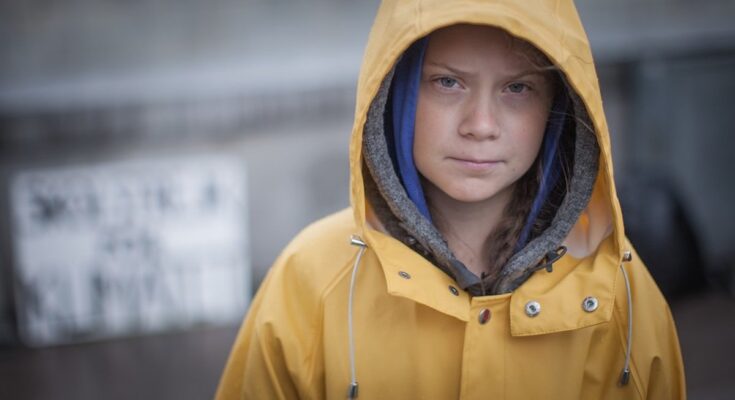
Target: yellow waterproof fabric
[(414, 337)]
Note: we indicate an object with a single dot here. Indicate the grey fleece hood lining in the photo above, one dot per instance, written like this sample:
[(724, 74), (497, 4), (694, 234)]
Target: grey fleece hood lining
[(402, 219)]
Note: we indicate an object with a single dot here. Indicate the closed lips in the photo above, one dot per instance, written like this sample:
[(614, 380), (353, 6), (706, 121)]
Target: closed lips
[(475, 165), (473, 161)]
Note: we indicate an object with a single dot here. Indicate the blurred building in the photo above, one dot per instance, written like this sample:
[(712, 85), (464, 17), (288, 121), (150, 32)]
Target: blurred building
[(238, 114), (99, 89)]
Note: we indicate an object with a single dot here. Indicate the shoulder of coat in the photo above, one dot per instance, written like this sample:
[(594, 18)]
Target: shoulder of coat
[(321, 252)]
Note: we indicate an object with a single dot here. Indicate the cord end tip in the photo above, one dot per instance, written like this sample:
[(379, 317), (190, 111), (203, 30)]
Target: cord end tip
[(352, 391), (357, 241), (624, 377)]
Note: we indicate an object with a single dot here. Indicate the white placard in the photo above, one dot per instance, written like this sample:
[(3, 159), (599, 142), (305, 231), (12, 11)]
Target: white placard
[(129, 247)]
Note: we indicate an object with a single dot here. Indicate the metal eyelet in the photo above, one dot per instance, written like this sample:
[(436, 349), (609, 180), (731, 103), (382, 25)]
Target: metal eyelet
[(533, 308), (590, 304), (404, 274)]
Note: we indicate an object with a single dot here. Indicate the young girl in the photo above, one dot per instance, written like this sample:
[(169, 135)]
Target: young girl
[(484, 254)]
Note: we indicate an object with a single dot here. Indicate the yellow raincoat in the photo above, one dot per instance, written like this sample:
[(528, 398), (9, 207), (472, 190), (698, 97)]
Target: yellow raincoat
[(416, 336)]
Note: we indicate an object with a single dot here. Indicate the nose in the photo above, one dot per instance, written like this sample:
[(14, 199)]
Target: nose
[(480, 119)]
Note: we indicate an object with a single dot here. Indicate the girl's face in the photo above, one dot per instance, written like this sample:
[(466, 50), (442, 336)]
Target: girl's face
[(481, 113)]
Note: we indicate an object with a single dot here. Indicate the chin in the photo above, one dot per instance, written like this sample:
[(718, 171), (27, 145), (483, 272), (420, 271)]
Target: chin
[(476, 192), (471, 199), (471, 196)]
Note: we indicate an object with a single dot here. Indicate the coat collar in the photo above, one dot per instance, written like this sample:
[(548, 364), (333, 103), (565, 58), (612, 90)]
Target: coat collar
[(560, 293)]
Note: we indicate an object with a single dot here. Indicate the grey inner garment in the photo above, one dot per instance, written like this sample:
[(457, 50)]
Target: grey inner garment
[(402, 219)]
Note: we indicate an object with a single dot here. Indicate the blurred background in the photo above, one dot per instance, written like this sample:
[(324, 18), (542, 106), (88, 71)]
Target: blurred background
[(155, 156)]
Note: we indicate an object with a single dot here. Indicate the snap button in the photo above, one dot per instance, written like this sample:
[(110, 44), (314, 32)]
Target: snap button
[(484, 316), (627, 256), (404, 274), (590, 304), (453, 290), (533, 308)]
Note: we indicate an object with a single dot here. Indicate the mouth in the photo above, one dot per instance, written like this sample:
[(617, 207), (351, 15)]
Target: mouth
[(475, 164)]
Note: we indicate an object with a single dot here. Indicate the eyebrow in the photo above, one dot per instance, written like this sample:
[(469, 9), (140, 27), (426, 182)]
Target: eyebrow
[(525, 73), (458, 71), (453, 70)]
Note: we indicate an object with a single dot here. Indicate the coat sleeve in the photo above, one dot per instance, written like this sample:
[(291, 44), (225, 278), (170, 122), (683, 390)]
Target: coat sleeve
[(270, 356), (656, 362)]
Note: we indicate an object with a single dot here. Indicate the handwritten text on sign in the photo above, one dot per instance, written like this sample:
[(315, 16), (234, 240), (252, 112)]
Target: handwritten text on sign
[(130, 247)]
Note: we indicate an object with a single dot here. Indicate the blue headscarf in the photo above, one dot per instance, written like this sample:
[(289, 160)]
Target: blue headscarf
[(404, 94)]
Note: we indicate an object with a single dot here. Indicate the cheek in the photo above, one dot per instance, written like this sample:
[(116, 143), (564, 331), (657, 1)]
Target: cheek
[(432, 124), (428, 117), (530, 131)]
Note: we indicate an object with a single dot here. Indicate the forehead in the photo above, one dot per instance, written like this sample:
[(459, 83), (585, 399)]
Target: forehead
[(478, 46)]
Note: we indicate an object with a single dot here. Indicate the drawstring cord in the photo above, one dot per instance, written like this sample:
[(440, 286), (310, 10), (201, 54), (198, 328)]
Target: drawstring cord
[(625, 373), (352, 389)]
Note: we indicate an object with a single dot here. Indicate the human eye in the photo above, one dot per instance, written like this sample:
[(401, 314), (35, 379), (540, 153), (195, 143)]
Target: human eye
[(446, 82), (518, 87)]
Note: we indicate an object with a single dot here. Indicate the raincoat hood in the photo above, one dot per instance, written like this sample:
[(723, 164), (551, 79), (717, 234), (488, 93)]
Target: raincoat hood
[(587, 218)]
